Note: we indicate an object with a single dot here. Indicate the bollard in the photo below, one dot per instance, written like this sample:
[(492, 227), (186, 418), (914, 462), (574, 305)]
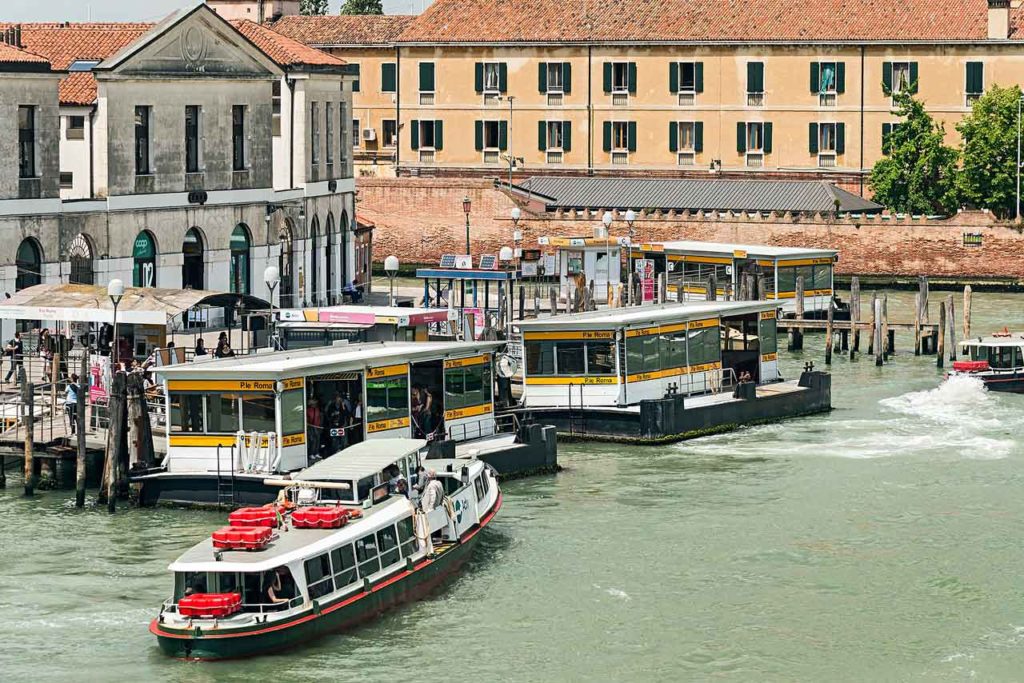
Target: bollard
[(28, 399), (83, 393)]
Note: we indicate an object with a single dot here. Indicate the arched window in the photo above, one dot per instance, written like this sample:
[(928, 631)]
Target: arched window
[(144, 260), (80, 254), (240, 243), (314, 262), (29, 263), (193, 266), (284, 264), (329, 287)]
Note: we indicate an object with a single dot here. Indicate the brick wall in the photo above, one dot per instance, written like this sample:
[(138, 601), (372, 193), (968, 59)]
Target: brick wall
[(418, 219)]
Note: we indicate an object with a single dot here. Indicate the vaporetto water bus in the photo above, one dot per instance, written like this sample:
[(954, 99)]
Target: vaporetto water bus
[(997, 360), (690, 264), (659, 373), (343, 548), (234, 422)]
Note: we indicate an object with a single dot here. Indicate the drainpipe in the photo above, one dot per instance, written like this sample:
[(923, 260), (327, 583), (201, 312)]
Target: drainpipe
[(861, 170), (92, 136), (291, 135), (590, 111), (398, 108)]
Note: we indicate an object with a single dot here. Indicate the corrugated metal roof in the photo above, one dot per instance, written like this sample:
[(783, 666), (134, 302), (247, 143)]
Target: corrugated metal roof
[(363, 459), (696, 195)]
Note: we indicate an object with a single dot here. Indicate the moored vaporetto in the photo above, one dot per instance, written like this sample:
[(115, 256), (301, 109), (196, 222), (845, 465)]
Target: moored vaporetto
[(343, 544)]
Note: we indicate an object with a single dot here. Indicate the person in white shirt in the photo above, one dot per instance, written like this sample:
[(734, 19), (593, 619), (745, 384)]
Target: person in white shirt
[(432, 493)]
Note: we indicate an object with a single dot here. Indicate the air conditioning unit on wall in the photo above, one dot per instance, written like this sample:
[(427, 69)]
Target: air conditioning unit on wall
[(369, 134)]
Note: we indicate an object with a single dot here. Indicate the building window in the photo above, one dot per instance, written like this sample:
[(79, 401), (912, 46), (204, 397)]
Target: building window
[(356, 133), (491, 77), (67, 180), (554, 135), (555, 139), (555, 72), (827, 140), (144, 260), (329, 117), (755, 137), (887, 130), (143, 119), (389, 132), (898, 77), (975, 82), (239, 275), (620, 77), (275, 105), (427, 137), (754, 141), (27, 141), (491, 138), (620, 136), (314, 132), (388, 77), (192, 137), (76, 128), (426, 83), (755, 84), (239, 153), (686, 139), (355, 83)]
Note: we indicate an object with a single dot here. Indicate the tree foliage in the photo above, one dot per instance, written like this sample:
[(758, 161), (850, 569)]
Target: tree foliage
[(313, 7), (988, 174), (918, 175), (362, 7)]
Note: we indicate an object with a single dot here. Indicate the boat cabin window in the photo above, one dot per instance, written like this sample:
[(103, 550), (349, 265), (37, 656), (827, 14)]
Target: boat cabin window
[(258, 413), (998, 357), (479, 487), (704, 345), (319, 580), (387, 398), (387, 541), (467, 386), (252, 585), (366, 555), (225, 413), (343, 561), (698, 273), (570, 358), (406, 536), (222, 413), (768, 336), (186, 413), (816, 277), (293, 412)]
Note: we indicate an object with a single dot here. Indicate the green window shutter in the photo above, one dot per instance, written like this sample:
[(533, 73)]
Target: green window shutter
[(542, 136), (355, 83), (415, 137), (503, 77), (886, 131), (887, 76), (631, 134), (673, 77), (815, 77), (426, 77), (698, 70), (698, 137), (673, 136), (913, 77), (542, 77), (607, 76), (566, 77), (478, 135), (566, 135), (438, 135), (767, 137), (632, 78), (975, 77), (812, 138), (840, 77), (388, 78), (503, 135), (478, 77), (755, 77), (607, 137), (741, 138), (840, 138)]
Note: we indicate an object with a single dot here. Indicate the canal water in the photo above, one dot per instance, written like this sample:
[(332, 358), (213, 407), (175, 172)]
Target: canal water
[(880, 542)]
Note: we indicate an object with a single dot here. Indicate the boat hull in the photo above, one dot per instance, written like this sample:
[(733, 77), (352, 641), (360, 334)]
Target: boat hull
[(343, 613), (1009, 383)]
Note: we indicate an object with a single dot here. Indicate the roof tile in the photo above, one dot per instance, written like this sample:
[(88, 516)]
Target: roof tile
[(283, 50), (367, 29), (10, 54)]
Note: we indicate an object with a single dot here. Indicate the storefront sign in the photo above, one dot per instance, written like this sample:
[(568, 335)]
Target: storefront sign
[(221, 385), (386, 425), (645, 270)]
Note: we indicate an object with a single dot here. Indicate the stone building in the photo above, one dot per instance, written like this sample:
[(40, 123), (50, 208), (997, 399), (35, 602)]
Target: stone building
[(192, 153), (678, 87)]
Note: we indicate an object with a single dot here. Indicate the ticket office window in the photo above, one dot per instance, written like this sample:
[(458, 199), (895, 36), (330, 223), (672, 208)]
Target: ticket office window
[(221, 413), (643, 354), (387, 398), (815, 277), (467, 387), (570, 358), (704, 346)]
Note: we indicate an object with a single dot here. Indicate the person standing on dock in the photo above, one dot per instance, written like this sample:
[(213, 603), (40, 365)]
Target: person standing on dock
[(15, 349), (71, 402)]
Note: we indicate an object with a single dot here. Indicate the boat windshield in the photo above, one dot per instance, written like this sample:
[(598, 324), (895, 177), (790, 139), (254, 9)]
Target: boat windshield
[(999, 357)]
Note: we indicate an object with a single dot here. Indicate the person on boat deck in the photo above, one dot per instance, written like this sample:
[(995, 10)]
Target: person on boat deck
[(275, 589), (432, 493), (201, 347), (395, 478), (337, 420), (314, 427), (71, 402)]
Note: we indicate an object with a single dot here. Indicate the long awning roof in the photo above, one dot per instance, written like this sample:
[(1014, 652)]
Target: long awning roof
[(139, 306), (634, 316), (364, 459)]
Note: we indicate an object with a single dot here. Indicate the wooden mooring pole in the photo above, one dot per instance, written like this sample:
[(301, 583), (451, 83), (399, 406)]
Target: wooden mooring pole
[(855, 315), (28, 390), (886, 339), (874, 319), (796, 336), (828, 337), (917, 323), (117, 440), (876, 337), (951, 317), (967, 311), (940, 348), (83, 393)]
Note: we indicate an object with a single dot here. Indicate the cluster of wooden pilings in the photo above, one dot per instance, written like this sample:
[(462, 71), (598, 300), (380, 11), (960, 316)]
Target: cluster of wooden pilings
[(842, 336)]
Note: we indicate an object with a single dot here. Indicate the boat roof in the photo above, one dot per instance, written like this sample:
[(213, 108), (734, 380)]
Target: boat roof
[(338, 358), (366, 315), (648, 315), (729, 249), (1012, 339), (363, 459)]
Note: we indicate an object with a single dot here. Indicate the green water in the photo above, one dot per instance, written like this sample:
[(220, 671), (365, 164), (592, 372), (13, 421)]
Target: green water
[(879, 542)]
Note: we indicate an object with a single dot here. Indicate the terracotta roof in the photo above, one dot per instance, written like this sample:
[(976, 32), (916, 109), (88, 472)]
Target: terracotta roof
[(284, 50), (65, 43), (14, 55), (542, 21), (369, 29)]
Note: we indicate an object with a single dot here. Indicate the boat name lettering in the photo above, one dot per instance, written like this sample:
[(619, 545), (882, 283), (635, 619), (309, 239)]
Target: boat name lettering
[(293, 439), (768, 315), (294, 383), (386, 425), (468, 411), (387, 371), (466, 362), (769, 357)]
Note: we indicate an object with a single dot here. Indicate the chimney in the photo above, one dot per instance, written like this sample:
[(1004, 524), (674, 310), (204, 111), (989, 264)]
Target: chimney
[(998, 19)]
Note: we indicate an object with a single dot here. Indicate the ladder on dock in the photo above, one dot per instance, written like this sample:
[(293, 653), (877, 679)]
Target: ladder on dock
[(577, 418), (226, 484)]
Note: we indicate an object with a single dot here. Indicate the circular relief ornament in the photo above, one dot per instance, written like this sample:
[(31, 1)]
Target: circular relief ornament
[(193, 48)]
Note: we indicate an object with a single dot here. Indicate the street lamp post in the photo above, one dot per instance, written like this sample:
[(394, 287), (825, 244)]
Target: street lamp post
[(391, 268), (517, 234), (607, 220), (272, 276), (630, 219), (115, 290), (467, 204)]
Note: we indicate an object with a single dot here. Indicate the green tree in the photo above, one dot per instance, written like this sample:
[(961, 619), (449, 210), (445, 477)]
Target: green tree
[(362, 7), (317, 7), (988, 175), (918, 173)]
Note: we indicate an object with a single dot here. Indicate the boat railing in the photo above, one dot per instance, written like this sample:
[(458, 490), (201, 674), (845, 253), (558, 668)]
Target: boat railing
[(258, 608), (507, 423)]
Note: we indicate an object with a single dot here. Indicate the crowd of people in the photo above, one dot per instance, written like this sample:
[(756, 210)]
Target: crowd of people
[(333, 427), (427, 414)]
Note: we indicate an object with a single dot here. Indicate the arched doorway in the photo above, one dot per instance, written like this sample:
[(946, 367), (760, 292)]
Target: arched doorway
[(329, 280), (284, 265), (144, 260), (29, 263), (192, 267), (314, 262), (240, 243), (80, 255)]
